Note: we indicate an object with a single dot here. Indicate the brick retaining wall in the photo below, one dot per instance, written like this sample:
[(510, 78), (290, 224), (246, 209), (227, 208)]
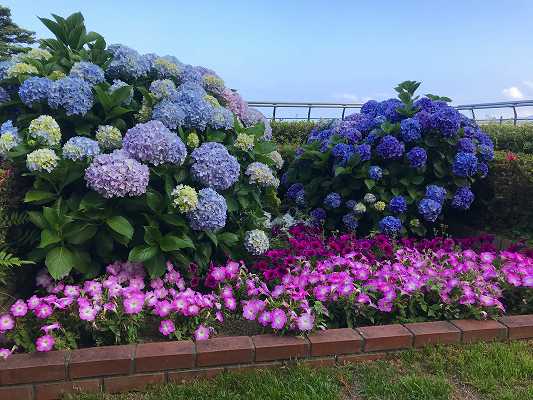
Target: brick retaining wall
[(44, 376)]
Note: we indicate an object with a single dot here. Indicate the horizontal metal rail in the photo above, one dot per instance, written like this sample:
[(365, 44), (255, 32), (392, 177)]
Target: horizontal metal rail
[(342, 107)]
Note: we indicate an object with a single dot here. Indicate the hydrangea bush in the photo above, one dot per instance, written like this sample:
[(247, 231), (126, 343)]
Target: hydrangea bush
[(133, 156), (394, 167)]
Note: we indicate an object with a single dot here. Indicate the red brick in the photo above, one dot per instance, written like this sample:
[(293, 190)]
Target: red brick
[(161, 356), (118, 384), (100, 361), (31, 368), (272, 348), (255, 367), (475, 331), (192, 375), (320, 362), (431, 333), (224, 351), (520, 326), (356, 358), (53, 391), (385, 337), (335, 341), (16, 393)]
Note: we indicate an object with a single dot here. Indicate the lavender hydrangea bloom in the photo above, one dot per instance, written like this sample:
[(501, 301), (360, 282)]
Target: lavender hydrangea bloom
[(333, 200), (375, 172), (73, 94), (117, 175), (318, 214), (463, 198), (87, 71), (447, 120), (153, 142), (390, 226), (429, 209), (466, 145), (169, 113), (127, 63), (350, 221), (398, 205), (464, 164), (390, 148), (34, 90), (210, 213), (436, 193), (79, 147), (214, 167), (363, 123), (417, 157), (411, 130)]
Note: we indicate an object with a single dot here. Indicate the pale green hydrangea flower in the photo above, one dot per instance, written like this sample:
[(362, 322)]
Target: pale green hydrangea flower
[(380, 206), (276, 157), (211, 100), (42, 160), (244, 142), (359, 208), (37, 54), (256, 242), (193, 141), (184, 198), (45, 130), (109, 137)]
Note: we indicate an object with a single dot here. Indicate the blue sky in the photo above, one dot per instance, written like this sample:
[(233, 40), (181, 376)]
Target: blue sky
[(306, 50)]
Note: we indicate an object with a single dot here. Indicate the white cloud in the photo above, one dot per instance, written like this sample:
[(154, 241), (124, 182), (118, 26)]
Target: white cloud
[(513, 93), (348, 96), (529, 84)]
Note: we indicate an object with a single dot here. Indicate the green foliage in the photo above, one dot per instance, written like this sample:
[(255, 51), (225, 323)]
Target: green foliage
[(291, 133), (518, 138), (12, 37)]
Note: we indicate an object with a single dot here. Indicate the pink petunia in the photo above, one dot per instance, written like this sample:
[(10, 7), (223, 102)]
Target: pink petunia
[(19, 308), (87, 313), (279, 318), (201, 333), (305, 322), (45, 343), (6, 322), (43, 311), (166, 327), (134, 304)]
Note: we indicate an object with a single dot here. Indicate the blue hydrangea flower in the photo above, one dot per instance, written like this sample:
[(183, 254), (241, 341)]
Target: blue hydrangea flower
[(348, 130), (293, 190), (4, 66), (167, 67), (154, 143), (486, 152), (447, 120), (126, 63), (389, 148), (464, 164), (210, 213), (79, 147), (389, 109), (411, 130), (73, 94), (470, 131), (364, 152), (435, 192), (483, 138), (424, 118), (163, 89), (117, 84), (370, 108), (417, 157), (169, 113), (318, 214), (198, 111), (372, 138), (466, 145), (222, 118), (34, 90), (117, 175), (463, 198), (350, 204), (428, 105), (429, 209), (363, 123), (9, 137), (398, 205), (342, 153), (87, 71), (333, 200), (214, 167), (350, 221), (482, 169), (390, 226), (300, 198), (375, 172)]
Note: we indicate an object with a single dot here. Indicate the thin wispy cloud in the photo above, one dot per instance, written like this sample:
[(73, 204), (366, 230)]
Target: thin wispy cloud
[(513, 93)]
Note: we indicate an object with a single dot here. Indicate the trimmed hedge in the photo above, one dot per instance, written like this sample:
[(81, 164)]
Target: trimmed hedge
[(518, 139)]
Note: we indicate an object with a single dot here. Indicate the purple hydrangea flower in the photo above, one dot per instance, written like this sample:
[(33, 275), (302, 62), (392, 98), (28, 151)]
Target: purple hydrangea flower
[(333, 200), (390, 225), (417, 157), (375, 172), (34, 90), (318, 214), (210, 213), (348, 130), (466, 145), (370, 108), (436, 193), (482, 169), (389, 109), (389, 148), (464, 164), (364, 152), (398, 205), (447, 120), (429, 209), (342, 153), (350, 221), (411, 130), (428, 105), (73, 94), (483, 138), (293, 190), (117, 175), (214, 167), (154, 143), (87, 71), (372, 138), (463, 198)]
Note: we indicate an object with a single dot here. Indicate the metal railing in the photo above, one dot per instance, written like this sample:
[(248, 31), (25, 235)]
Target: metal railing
[(343, 107)]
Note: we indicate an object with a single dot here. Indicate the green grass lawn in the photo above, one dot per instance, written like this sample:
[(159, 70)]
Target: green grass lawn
[(498, 371)]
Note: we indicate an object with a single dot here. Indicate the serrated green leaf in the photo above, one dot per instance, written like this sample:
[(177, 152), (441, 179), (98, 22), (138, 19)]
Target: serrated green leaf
[(121, 226), (60, 261)]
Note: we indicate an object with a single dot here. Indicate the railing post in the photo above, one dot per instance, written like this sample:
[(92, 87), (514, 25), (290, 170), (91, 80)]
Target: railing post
[(515, 116), (309, 113), (343, 112), (274, 112), (473, 115)]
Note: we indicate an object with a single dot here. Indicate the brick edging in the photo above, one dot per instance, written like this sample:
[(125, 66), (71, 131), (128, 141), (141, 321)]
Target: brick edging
[(114, 369)]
